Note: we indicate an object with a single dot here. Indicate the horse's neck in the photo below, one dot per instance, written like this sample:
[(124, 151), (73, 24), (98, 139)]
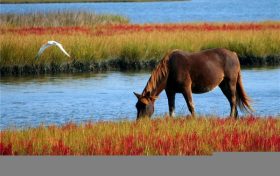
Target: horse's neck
[(157, 81), (154, 90)]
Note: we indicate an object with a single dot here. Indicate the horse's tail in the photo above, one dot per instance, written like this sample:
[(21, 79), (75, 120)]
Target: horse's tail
[(243, 101)]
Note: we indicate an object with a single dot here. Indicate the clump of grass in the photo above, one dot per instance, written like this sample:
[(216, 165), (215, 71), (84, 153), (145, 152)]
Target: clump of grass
[(92, 50), (63, 18), (160, 136)]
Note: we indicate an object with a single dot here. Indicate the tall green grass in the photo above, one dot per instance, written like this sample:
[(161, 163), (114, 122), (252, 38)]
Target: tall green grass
[(131, 50), (63, 18)]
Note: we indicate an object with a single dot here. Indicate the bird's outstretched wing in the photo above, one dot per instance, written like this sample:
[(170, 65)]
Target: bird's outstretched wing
[(42, 49), (62, 49), (48, 44)]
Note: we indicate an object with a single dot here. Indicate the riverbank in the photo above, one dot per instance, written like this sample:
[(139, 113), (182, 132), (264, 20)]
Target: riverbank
[(77, 1), (159, 136), (132, 47)]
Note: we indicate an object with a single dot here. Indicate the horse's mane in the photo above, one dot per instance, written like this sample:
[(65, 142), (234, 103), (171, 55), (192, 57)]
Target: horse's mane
[(158, 74)]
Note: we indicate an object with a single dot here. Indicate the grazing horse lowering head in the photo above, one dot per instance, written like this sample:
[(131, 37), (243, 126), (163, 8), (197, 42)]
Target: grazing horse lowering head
[(199, 72), (145, 105)]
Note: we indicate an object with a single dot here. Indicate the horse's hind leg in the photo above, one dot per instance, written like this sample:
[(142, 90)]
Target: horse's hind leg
[(228, 87), (171, 102), (187, 93)]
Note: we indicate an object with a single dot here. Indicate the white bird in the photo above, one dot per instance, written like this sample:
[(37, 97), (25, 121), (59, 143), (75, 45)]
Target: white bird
[(48, 44)]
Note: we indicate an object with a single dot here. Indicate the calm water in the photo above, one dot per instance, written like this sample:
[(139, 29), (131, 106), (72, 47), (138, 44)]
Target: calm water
[(162, 12), (30, 101)]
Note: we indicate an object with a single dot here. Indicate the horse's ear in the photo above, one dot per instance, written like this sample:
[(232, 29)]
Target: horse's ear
[(137, 95)]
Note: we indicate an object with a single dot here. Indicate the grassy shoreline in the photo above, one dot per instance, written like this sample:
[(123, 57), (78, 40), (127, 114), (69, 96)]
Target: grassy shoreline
[(130, 47), (109, 42), (77, 1), (159, 136), (117, 65)]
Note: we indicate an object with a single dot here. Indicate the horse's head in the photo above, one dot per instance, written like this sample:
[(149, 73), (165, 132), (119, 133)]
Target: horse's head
[(145, 105)]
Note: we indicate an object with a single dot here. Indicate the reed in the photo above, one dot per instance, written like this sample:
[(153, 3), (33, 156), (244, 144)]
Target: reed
[(94, 49), (59, 18), (159, 136)]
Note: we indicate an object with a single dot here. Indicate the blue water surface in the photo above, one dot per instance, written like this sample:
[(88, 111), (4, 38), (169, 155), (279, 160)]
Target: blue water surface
[(57, 99), (167, 12)]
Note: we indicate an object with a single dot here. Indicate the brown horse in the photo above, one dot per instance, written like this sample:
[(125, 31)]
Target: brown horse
[(200, 72)]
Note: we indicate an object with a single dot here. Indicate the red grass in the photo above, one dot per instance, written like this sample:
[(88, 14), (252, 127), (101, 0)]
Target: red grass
[(6, 149), (46, 30), (165, 136), (190, 27), (60, 149), (124, 28)]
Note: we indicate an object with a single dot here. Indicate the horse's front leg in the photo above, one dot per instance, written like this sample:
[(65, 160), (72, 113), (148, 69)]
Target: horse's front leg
[(187, 93), (171, 102)]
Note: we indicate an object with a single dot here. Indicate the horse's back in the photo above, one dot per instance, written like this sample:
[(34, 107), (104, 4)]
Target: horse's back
[(205, 70), (215, 59), (228, 61)]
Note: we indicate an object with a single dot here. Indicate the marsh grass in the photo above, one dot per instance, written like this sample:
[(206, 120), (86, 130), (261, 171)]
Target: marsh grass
[(63, 18), (159, 136), (132, 50)]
